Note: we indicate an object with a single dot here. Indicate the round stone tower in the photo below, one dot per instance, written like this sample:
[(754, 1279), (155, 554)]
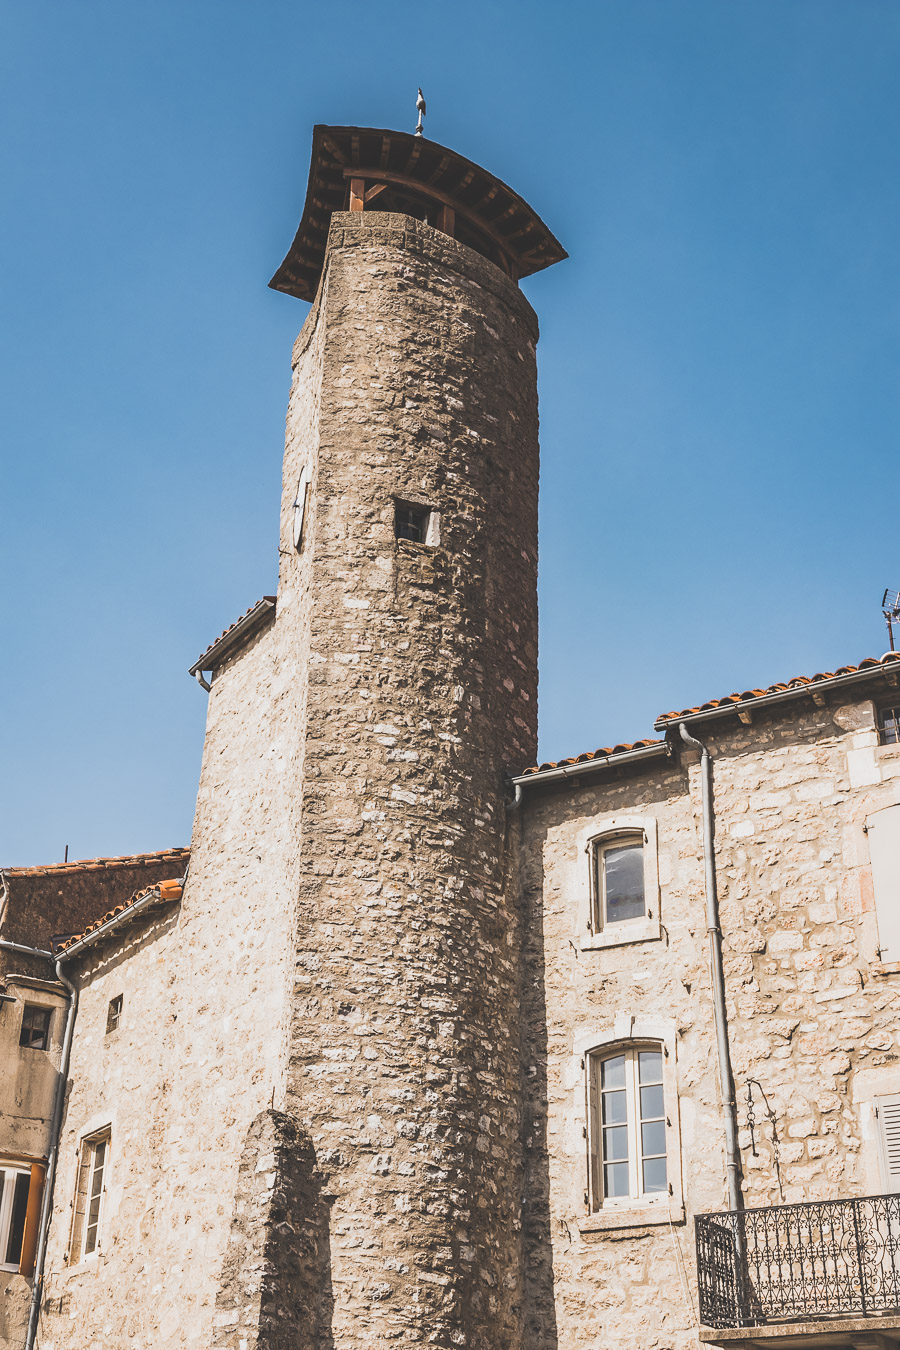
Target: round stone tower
[(407, 610)]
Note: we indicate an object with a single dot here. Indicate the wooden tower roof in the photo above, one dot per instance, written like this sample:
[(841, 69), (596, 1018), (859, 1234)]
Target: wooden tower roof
[(353, 166)]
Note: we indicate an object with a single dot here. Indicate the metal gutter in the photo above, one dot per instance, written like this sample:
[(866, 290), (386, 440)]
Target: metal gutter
[(148, 901), (779, 696), (221, 648), (717, 973), (26, 951), (662, 750)]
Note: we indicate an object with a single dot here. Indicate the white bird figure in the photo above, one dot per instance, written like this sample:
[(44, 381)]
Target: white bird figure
[(420, 106)]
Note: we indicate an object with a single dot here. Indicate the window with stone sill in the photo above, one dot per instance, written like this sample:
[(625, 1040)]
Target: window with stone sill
[(623, 903), (90, 1193), (629, 1127)]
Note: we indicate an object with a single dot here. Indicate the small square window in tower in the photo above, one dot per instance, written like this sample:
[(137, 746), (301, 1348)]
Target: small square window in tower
[(417, 524), (114, 1013), (35, 1033)]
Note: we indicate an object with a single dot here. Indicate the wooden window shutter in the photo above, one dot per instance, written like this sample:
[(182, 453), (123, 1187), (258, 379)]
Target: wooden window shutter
[(32, 1219), (888, 1109), (883, 830)]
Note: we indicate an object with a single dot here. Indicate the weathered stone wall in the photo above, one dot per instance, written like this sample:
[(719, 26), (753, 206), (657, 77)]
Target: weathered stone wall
[(812, 1011), (422, 691), (201, 1047)]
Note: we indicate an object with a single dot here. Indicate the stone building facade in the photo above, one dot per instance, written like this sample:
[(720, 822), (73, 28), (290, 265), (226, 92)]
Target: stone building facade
[(420, 1046)]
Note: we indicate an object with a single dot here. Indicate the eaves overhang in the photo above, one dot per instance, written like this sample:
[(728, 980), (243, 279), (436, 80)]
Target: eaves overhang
[(227, 642), (411, 175), (592, 764), (816, 687)]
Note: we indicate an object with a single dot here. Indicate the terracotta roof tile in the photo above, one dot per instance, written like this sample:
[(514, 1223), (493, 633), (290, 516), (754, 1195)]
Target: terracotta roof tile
[(798, 683), (263, 606), (166, 890), (606, 752), (176, 855)]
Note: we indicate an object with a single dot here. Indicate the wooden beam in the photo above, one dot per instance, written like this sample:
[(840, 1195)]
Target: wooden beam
[(818, 698), (746, 716), (426, 190), (374, 191), (357, 191), (446, 220)]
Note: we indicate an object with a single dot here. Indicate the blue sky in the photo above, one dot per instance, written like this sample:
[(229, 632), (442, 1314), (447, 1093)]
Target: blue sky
[(718, 363)]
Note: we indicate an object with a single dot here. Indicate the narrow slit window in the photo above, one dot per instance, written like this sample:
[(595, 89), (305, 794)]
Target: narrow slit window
[(35, 1032), (114, 1013)]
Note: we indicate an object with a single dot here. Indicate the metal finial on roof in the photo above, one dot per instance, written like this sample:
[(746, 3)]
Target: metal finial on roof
[(420, 106)]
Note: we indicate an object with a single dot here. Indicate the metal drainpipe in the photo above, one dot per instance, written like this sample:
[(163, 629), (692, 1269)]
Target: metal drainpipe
[(40, 1255), (726, 1078)]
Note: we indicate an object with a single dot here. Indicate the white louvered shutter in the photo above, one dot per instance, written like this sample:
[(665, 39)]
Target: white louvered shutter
[(883, 831), (888, 1109)]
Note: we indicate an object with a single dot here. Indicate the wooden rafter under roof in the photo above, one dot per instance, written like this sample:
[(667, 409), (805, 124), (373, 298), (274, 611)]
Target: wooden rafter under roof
[(415, 176)]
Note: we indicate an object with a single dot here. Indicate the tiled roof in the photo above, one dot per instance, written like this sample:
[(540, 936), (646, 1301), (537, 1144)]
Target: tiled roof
[(162, 892), (607, 752), (177, 856), (798, 685), (216, 651)]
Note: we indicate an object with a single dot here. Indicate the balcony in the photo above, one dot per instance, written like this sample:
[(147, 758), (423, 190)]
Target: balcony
[(815, 1274)]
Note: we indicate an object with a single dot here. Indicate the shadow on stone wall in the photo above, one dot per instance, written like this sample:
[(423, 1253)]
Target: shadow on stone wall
[(275, 1291), (539, 1319)]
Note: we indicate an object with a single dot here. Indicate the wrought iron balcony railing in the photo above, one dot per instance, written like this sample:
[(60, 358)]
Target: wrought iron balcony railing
[(799, 1263)]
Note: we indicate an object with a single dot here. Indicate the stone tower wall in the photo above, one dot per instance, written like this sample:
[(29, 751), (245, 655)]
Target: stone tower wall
[(415, 379)]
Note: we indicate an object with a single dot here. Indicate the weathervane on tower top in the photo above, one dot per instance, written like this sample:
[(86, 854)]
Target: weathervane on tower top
[(420, 105)]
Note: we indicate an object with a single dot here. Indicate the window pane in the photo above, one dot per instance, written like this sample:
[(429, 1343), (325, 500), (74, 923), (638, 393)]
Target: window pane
[(614, 1108), (650, 1066), (35, 1027), (623, 882), (615, 1143), (17, 1221), (612, 1072), (615, 1180), (93, 1216), (654, 1171), (653, 1137), (652, 1102)]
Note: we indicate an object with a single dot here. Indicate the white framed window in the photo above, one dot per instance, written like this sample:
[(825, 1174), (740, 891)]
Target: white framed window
[(630, 1129), (619, 880), (14, 1186), (883, 834), (621, 885), (90, 1193), (887, 1116)]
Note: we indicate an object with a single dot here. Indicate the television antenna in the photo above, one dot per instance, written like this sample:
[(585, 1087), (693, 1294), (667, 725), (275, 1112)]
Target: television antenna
[(890, 605)]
